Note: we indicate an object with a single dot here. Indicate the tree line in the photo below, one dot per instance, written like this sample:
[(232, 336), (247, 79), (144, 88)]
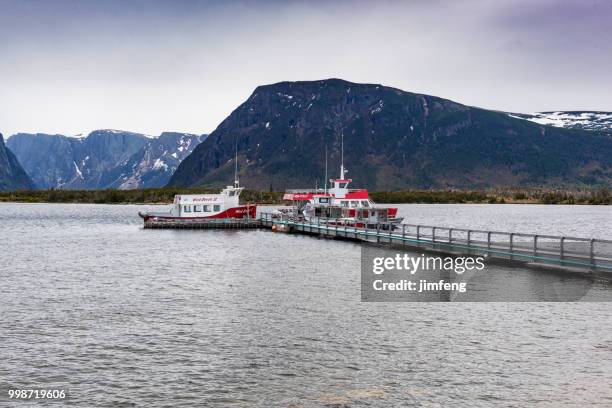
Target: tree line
[(601, 196)]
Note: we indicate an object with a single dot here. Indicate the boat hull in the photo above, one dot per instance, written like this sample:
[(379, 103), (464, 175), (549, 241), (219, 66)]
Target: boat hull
[(246, 211)]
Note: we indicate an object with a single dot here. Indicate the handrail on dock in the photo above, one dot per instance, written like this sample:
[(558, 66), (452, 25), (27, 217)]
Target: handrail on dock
[(590, 254)]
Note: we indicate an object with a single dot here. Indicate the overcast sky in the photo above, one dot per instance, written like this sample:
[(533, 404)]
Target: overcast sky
[(149, 66)]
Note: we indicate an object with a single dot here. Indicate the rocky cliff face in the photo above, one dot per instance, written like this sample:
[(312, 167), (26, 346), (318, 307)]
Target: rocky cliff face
[(154, 163), (12, 175), (392, 140), (103, 159)]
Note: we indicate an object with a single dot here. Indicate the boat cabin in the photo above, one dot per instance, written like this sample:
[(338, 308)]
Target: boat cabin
[(206, 205)]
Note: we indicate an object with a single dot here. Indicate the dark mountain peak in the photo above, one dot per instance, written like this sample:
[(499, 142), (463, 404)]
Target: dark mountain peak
[(335, 86), (310, 90), (12, 175), (346, 100), (393, 140)]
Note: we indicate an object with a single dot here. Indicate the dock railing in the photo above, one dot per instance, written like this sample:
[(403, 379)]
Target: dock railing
[(563, 250), (580, 253)]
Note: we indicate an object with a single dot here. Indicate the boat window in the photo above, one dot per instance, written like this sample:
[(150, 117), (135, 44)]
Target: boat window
[(187, 208), (197, 208), (207, 208), (217, 208), (324, 200), (344, 203), (231, 193), (365, 203), (355, 204)]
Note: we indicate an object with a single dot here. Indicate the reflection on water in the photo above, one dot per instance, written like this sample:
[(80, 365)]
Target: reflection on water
[(118, 315)]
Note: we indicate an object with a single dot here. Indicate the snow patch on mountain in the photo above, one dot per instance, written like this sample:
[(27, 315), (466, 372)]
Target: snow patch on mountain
[(159, 164), (586, 120), (78, 172)]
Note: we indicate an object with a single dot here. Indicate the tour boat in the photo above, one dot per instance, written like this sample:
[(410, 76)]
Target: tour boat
[(340, 205), (200, 207)]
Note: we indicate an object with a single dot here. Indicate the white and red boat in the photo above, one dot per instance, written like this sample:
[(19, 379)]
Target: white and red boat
[(201, 207), (340, 205)]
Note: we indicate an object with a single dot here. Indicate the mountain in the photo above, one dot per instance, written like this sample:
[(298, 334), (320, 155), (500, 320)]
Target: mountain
[(392, 140), (155, 162), (587, 120), (104, 159), (12, 175)]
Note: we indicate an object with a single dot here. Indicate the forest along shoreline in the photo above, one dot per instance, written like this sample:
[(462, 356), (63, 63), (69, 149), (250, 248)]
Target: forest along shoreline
[(602, 196)]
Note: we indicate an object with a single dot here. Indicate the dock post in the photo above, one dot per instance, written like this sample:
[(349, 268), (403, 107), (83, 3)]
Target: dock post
[(592, 253), (418, 232), (511, 245), (433, 234), (561, 245), (535, 245), (469, 237), (390, 233), (403, 233), (450, 235), (488, 239)]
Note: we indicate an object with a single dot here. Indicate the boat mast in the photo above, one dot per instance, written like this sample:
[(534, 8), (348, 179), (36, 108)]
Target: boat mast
[(236, 181), (325, 169), (342, 158)]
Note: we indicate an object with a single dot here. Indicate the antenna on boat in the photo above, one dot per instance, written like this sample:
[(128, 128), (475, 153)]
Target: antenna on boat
[(236, 181), (342, 158)]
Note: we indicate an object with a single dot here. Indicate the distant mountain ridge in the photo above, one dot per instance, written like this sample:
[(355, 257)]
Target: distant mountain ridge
[(585, 120), (103, 159), (12, 175), (393, 140)]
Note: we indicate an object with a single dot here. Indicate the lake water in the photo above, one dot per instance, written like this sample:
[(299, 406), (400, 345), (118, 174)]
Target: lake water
[(120, 316)]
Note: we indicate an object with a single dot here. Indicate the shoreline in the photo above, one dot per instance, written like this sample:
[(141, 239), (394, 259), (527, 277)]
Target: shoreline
[(165, 196)]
